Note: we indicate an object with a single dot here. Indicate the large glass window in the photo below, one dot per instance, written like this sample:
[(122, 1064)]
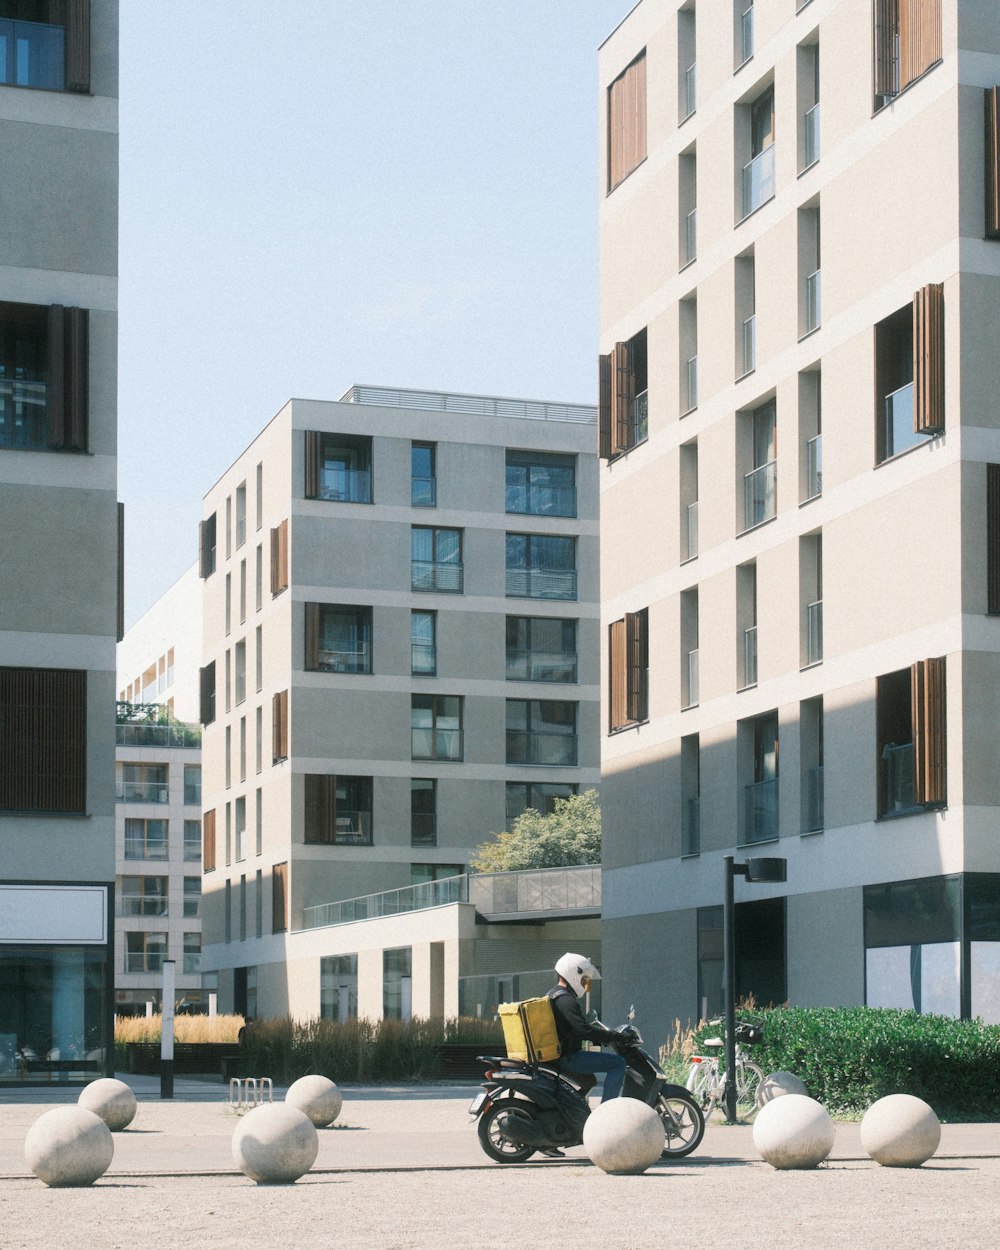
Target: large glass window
[(142, 783), (32, 54), (541, 731), (192, 840), (192, 896), (146, 839), (338, 638), (541, 795), (423, 481), (143, 896), (396, 983), (541, 649), (192, 953), (192, 784), (436, 560), (540, 483), (338, 810), (338, 993), (145, 952), (339, 467), (423, 811), (436, 727), (541, 566), (423, 644)]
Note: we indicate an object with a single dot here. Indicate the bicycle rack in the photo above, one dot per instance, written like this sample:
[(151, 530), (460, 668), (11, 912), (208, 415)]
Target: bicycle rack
[(250, 1091)]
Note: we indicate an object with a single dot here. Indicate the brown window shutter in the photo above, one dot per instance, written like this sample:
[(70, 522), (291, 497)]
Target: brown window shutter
[(77, 379), (55, 391), (884, 26), (279, 558), (279, 898), (120, 613), (616, 136), (208, 841), (207, 693), (604, 443), (919, 38), (78, 45), (621, 398), (618, 674), (928, 359), (627, 121), (992, 156), (320, 807), (927, 701), (993, 538), (279, 725), (637, 100), (636, 662), (312, 637), (314, 458), (203, 569)]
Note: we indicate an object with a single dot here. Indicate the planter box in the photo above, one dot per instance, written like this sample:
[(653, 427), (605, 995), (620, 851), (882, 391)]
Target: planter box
[(190, 1058)]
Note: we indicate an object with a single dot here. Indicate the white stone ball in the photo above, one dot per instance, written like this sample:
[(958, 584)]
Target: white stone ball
[(623, 1135), (112, 1100), (793, 1132), (275, 1144), (900, 1131), (318, 1097), (777, 1084), (69, 1146)]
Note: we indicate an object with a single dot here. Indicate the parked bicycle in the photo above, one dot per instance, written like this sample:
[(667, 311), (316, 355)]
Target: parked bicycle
[(707, 1084)]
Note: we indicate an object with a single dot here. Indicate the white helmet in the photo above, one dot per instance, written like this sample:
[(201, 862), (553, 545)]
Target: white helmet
[(577, 971)]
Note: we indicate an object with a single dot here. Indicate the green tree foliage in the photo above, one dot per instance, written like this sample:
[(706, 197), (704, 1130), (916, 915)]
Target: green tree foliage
[(571, 834)]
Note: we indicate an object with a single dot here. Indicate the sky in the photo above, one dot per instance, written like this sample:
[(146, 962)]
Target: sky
[(319, 193)]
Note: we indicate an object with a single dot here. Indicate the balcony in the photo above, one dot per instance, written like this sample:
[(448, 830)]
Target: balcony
[(336, 661), (541, 583), (692, 530), (537, 893), (814, 311), (758, 181), (144, 961), (442, 577), (810, 137), (423, 659), (32, 55), (760, 812), (538, 500), (388, 903), (691, 382), (540, 665), (423, 492), (814, 467), (22, 403), (760, 494), (691, 832), (352, 828), (746, 35), (899, 794), (814, 632), (750, 656), (143, 905), (812, 800), (142, 792), (691, 236), (749, 361), (346, 485), (555, 750), (689, 103), (899, 434), (144, 735), (691, 678), (640, 418)]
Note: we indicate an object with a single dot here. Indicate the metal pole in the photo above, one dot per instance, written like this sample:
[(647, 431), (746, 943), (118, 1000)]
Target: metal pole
[(167, 1032), (729, 989)]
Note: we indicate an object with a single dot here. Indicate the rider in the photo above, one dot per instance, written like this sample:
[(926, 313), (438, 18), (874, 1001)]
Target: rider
[(576, 973)]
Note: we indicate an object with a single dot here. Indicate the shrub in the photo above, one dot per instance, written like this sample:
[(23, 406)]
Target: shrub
[(186, 1029)]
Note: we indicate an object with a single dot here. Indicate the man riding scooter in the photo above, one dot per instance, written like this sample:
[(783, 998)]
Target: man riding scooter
[(576, 973)]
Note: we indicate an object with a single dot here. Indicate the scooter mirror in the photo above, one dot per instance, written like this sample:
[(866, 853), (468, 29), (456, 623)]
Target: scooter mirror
[(631, 1014)]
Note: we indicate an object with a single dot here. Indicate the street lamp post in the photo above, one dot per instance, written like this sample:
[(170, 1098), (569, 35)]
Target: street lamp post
[(754, 870)]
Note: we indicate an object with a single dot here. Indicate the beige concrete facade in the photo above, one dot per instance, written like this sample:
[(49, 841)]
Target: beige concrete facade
[(840, 560)]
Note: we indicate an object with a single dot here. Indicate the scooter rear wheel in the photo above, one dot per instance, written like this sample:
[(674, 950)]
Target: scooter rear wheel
[(683, 1125), (492, 1140)]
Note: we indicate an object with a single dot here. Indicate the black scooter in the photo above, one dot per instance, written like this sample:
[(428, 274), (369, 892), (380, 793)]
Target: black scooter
[(528, 1107)]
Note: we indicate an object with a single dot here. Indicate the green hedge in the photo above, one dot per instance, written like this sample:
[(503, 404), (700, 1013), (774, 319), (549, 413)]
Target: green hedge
[(849, 1057)]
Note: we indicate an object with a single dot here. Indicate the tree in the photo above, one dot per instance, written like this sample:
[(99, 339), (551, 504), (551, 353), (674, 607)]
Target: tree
[(570, 834)]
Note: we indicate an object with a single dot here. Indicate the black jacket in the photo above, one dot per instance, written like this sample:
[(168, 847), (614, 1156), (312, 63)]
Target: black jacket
[(571, 1024)]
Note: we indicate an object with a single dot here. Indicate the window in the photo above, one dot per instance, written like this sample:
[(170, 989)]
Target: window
[(688, 344), (259, 821), (423, 644), (760, 485), (541, 731), (757, 745), (143, 896), (229, 756), (259, 578), (338, 467), (241, 514), (258, 903), (541, 566), (436, 560), (229, 603), (541, 483), (145, 952), (208, 854), (259, 741), (338, 638), (686, 62), (810, 435), (279, 898), (627, 121), (43, 740), (207, 546), (540, 795), (541, 648), (240, 671), (906, 43), (243, 908), (628, 668), (279, 558), (44, 386), (811, 598), (746, 624), (423, 811), (744, 29), (396, 983), (207, 694), (745, 275), (142, 783), (810, 291), (423, 478), (32, 53), (259, 658), (811, 764), (243, 591), (260, 496), (192, 841), (436, 727), (623, 397), (338, 810), (240, 827), (279, 726), (688, 495), (338, 992), (992, 162), (146, 839), (691, 795), (687, 205), (911, 739), (758, 171), (192, 896), (228, 919), (229, 526), (192, 953), (909, 374), (690, 653), (807, 75)]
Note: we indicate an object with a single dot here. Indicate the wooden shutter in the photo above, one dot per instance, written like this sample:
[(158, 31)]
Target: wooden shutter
[(320, 807), (636, 663), (55, 397), (884, 26), (621, 397), (627, 121), (618, 674), (279, 898), (604, 440), (992, 157), (928, 359), (120, 580), (279, 558), (208, 841), (279, 726), (43, 740), (207, 694), (78, 45), (312, 637), (66, 395), (314, 460), (927, 704), (919, 38), (993, 538)]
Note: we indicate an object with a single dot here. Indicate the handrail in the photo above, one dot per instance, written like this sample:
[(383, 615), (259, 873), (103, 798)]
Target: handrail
[(470, 405)]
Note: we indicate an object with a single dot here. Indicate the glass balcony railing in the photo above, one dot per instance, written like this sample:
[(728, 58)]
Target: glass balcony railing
[(760, 494), (692, 530), (691, 678), (691, 236), (814, 310), (144, 905), (575, 888), (691, 381), (352, 828), (22, 408), (141, 735), (749, 345), (810, 137), (900, 794), (32, 55), (423, 492), (540, 665), (746, 34), (436, 744), (814, 632), (443, 577), (346, 485), (690, 91), (691, 832), (640, 417), (750, 656), (758, 181), (144, 961), (423, 659), (554, 749), (814, 467), (331, 660), (142, 792), (812, 800), (541, 583), (388, 903), (760, 811), (899, 434)]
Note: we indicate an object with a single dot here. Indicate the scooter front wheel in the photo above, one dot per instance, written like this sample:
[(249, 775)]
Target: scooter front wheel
[(491, 1138), (683, 1125)]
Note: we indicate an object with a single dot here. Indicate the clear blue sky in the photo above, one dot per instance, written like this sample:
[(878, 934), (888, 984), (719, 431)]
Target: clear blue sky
[(323, 192)]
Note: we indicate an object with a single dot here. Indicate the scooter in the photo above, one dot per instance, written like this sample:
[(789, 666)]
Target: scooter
[(528, 1107)]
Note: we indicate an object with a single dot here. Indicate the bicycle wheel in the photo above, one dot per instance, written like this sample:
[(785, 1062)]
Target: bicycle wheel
[(748, 1082), (700, 1083)]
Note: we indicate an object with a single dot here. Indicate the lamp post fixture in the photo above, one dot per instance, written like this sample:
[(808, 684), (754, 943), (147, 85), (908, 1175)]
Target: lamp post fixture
[(754, 870)]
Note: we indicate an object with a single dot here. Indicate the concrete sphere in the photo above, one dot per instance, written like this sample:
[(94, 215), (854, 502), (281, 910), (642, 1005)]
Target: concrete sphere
[(318, 1097), (69, 1146), (275, 1144), (793, 1132), (900, 1131), (112, 1100), (623, 1135), (776, 1084)]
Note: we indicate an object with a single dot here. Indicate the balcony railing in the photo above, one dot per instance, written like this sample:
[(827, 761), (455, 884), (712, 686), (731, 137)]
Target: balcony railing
[(436, 744), (541, 500), (814, 467), (898, 418), (148, 847), (423, 492), (691, 832), (444, 577), (691, 380), (692, 530), (22, 404), (541, 583), (640, 418), (352, 828), (750, 656), (423, 658), (812, 800), (388, 903), (554, 750), (142, 792), (32, 55), (540, 665), (750, 344), (533, 891), (346, 485), (691, 678), (746, 34), (760, 494), (140, 735), (814, 632), (690, 91), (691, 236), (814, 309), (144, 905), (472, 405), (900, 783), (335, 661), (810, 137), (760, 811), (144, 961), (758, 181)]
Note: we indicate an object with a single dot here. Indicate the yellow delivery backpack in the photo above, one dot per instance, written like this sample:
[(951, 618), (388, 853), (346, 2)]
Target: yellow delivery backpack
[(529, 1030)]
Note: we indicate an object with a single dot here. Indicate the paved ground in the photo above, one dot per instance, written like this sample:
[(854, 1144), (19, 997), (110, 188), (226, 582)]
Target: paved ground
[(403, 1169)]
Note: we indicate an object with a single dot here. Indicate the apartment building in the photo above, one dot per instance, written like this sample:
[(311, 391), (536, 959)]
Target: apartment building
[(400, 656), (60, 572), (800, 287)]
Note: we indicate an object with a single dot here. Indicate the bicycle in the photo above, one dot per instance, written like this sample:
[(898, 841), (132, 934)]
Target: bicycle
[(707, 1085)]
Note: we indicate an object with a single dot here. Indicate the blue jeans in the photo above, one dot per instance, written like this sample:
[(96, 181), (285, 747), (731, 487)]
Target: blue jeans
[(612, 1065)]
